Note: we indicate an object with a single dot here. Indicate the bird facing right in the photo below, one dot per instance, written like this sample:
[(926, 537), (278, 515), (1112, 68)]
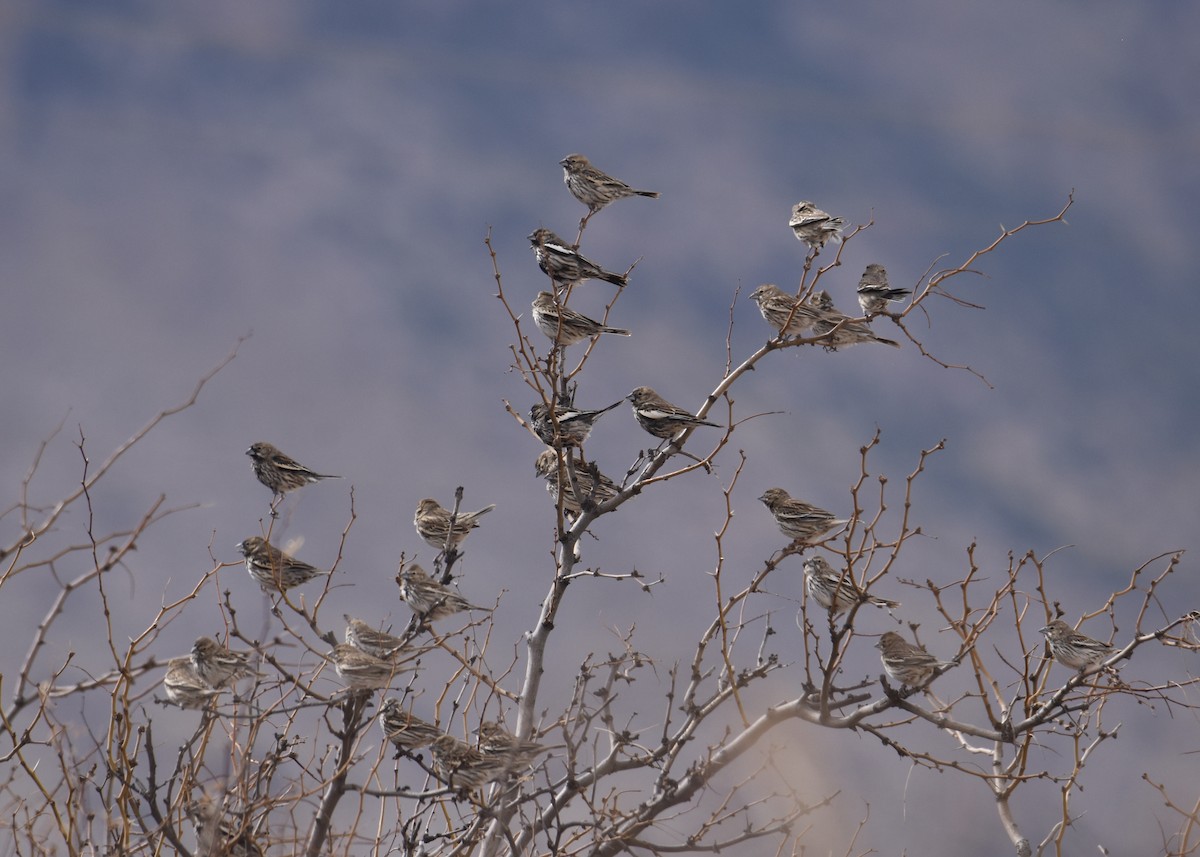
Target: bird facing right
[(799, 521)]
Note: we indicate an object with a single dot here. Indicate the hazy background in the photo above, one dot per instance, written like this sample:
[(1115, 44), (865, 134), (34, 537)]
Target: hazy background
[(175, 176)]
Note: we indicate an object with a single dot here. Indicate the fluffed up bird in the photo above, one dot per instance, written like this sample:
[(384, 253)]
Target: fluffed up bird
[(1075, 650), (495, 741), (217, 834), (274, 569), (836, 591), (371, 640), (595, 188), (463, 768), (183, 685), (659, 417), (574, 425), (564, 325), (905, 662), (564, 265), (874, 293), (815, 227), (217, 666), (280, 472), (555, 473), (433, 523), (403, 728), (799, 521), (428, 597), (783, 311), (361, 671), (850, 332)]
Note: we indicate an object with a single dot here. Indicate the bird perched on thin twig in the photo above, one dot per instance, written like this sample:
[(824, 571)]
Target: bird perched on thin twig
[(280, 472), (1073, 649), (834, 591), (495, 741), (849, 333), (361, 671), (433, 523), (595, 188), (782, 311), (217, 666), (428, 597), (815, 227), (659, 417), (463, 768), (874, 293), (799, 521), (564, 325), (906, 662), (555, 473), (218, 835), (183, 685), (565, 425), (565, 265), (405, 729), (371, 640), (274, 569)]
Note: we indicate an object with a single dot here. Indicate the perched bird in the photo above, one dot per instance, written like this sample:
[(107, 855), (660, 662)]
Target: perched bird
[(217, 834), (573, 424), (595, 188), (874, 293), (564, 265), (815, 227), (433, 523), (279, 472), (370, 640), (183, 685), (799, 521), (659, 417), (850, 332), (495, 741), (1073, 649), (905, 662), (429, 598), (564, 325), (782, 311), (272, 568), (217, 666), (361, 671), (463, 768), (405, 729), (555, 473), (834, 591)]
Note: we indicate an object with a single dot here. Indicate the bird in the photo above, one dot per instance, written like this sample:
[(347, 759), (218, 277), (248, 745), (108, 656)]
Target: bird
[(874, 293), (659, 417), (849, 333), (593, 187), (370, 640), (495, 741), (1075, 650), (815, 227), (362, 671), (183, 685), (274, 569), (835, 591), (564, 424), (906, 662), (799, 521), (427, 597), (280, 472), (433, 523), (564, 325), (217, 834), (405, 729), (786, 313), (462, 767), (217, 666), (565, 265), (555, 473)]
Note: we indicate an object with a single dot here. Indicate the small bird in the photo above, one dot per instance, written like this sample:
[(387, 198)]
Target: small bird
[(874, 293), (217, 666), (361, 671), (659, 417), (595, 188), (183, 685), (495, 741), (906, 662), (405, 729), (799, 521), (565, 425), (564, 325), (815, 227), (274, 569), (427, 597), (433, 523), (463, 768), (1075, 650), (850, 332), (834, 591), (217, 834), (564, 265), (370, 640), (555, 473), (782, 311), (279, 472)]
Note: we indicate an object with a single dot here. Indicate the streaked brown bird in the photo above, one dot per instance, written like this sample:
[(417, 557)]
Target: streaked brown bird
[(217, 834), (593, 187), (564, 325), (183, 685), (428, 597), (361, 671), (815, 227), (463, 768), (1073, 649), (371, 640), (835, 591), (659, 417), (565, 265), (905, 662), (433, 523), (799, 521), (555, 473), (849, 333), (783, 311), (280, 472), (574, 425), (217, 666), (274, 569), (494, 740), (874, 293), (403, 728)]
